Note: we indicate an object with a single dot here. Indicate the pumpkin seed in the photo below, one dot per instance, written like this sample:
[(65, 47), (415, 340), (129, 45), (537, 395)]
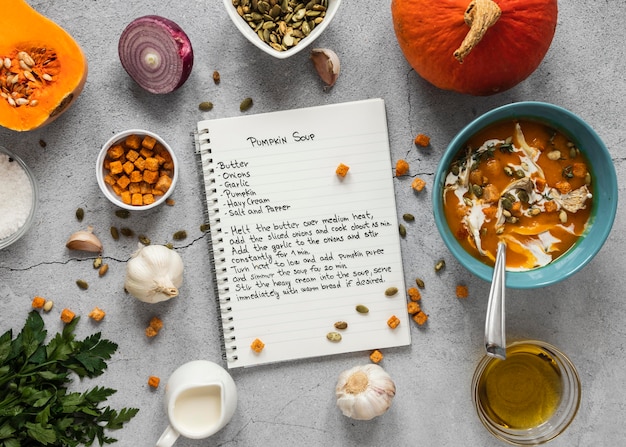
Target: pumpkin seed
[(97, 262), (145, 240), (420, 283), (216, 77), (205, 106), (341, 325), (391, 291), (103, 270), (127, 231), (440, 265), (80, 214), (179, 235), (362, 309), (122, 214), (408, 217), (115, 234), (47, 306), (334, 336), (82, 284), (245, 104), (402, 230), (205, 227)]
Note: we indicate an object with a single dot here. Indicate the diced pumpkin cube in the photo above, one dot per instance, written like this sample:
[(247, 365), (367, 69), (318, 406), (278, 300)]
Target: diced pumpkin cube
[(132, 155), (133, 141), (115, 167), (146, 153), (148, 142), (128, 167), (123, 181), (126, 197), (134, 188), (148, 199), (109, 179), (115, 151), (152, 164), (140, 163), (150, 176), (163, 183), (145, 188), (117, 189), (136, 176), (136, 199)]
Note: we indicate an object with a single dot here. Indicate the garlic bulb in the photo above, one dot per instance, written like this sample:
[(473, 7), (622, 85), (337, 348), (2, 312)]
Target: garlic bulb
[(154, 273), (364, 392), (326, 63)]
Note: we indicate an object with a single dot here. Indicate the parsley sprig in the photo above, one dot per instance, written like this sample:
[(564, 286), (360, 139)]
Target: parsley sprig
[(36, 408)]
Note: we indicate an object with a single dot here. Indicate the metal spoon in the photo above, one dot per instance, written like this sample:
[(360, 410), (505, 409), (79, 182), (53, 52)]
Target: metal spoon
[(495, 340)]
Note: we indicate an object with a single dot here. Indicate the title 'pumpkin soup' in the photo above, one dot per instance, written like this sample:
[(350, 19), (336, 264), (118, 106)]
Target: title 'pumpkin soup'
[(522, 182)]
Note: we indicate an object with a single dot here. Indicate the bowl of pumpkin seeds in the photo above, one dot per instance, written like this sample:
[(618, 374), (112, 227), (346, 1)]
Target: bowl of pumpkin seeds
[(281, 28)]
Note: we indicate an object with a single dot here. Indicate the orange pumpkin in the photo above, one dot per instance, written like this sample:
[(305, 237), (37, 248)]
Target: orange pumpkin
[(42, 68), (482, 48)]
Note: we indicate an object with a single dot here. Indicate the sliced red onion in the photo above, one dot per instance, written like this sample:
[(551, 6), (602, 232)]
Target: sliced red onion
[(156, 53)]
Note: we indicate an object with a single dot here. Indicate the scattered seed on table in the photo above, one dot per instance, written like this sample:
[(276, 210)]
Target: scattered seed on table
[(334, 336), (97, 262), (362, 309), (80, 214), (115, 234), (440, 265), (216, 77), (402, 230), (145, 240), (391, 291), (180, 235), (341, 325), (123, 214), (408, 217), (104, 268), (82, 284), (205, 106), (420, 283), (127, 231), (205, 227), (245, 104), (42, 143)]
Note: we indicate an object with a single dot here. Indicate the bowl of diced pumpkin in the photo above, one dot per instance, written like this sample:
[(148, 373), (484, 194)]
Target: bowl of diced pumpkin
[(136, 169)]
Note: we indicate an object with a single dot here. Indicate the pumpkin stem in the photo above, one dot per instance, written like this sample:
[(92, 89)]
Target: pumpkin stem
[(480, 15)]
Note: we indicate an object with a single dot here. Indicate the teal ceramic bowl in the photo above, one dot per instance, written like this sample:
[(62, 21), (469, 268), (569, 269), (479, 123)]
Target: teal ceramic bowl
[(604, 202)]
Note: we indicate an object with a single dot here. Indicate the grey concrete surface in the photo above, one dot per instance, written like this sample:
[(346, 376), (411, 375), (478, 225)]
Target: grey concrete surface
[(293, 403)]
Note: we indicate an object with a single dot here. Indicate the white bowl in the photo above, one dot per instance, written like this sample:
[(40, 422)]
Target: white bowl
[(101, 171), (11, 238), (251, 35)]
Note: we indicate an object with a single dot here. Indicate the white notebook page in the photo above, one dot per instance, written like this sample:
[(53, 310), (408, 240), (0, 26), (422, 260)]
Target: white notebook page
[(296, 246)]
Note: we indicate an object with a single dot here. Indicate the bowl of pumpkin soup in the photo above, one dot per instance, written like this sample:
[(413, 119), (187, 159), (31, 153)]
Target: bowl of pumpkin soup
[(535, 176)]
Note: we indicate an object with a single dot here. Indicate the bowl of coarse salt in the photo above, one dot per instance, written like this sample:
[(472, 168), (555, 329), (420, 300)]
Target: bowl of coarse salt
[(18, 197)]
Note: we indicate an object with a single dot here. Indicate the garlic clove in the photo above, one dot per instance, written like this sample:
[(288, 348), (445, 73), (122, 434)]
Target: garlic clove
[(326, 63), (364, 392), (84, 240)]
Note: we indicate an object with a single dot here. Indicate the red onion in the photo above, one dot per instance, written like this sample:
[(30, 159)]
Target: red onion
[(156, 53)]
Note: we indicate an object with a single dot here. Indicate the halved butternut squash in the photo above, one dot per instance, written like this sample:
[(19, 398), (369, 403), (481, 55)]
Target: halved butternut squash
[(42, 69)]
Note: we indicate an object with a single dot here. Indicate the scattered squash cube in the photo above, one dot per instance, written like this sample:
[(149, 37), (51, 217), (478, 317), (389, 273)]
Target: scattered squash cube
[(414, 294), (418, 184), (376, 356), (153, 382), (402, 167), (67, 316), (393, 322), (462, 291), (38, 302), (257, 345), (420, 318), (97, 314), (412, 307), (421, 140), (342, 170)]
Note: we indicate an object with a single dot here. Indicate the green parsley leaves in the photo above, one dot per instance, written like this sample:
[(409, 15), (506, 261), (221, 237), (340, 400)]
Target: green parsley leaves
[(36, 408)]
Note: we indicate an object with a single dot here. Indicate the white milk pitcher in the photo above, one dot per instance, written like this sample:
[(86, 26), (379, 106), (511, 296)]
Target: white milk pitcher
[(200, 399)]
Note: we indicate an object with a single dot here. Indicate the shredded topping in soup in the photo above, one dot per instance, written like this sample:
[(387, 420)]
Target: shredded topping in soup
[(521, 182)]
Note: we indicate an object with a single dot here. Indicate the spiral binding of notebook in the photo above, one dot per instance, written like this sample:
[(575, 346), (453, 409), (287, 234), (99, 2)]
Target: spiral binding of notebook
[(211, 212)]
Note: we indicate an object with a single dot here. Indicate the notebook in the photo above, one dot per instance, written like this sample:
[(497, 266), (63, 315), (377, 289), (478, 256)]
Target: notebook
[(295, 246)]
